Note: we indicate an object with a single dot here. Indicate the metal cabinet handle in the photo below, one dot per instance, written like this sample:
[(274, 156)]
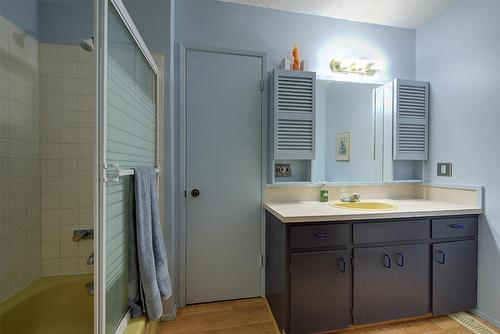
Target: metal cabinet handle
[(321, 235), (400, 259), (386, 261), (456, 226), (195, 192), (442, 259), (342, 265)]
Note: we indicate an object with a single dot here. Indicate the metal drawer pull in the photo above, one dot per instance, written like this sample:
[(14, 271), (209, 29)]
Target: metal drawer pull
[(456, 226), (341, 265), (321, 235), (401, 260), (386, 261), (443, 257)]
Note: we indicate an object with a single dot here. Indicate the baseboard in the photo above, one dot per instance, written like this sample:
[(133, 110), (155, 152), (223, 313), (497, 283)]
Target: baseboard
[(486, 317), (170, 316)]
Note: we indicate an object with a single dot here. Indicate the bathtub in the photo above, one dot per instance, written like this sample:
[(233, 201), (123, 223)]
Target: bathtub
[(55, 305)]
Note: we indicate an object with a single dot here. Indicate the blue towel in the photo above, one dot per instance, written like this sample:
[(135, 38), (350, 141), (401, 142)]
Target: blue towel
[(149, 280)]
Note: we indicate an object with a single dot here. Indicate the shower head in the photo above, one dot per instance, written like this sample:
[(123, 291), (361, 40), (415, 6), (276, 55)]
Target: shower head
[(87, 44)]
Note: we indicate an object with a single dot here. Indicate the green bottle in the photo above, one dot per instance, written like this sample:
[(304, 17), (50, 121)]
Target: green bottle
[(323, 194)]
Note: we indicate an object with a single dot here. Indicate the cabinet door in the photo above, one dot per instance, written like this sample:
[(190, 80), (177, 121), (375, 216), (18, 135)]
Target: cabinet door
[(454, 281), (372, 284), (411, 119), (410, 281), (294, 114), (320, 291)]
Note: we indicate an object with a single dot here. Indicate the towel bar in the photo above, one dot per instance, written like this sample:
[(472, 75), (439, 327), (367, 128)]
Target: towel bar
[(114, 172)]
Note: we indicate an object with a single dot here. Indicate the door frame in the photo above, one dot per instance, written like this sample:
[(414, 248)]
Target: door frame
[(183, 50), (101, 10)]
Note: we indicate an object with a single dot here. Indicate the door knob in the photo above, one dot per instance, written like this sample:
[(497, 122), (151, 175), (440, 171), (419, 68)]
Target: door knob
[(195, 192)]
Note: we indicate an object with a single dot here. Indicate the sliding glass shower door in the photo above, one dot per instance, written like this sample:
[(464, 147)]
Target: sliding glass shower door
[(128, 139)]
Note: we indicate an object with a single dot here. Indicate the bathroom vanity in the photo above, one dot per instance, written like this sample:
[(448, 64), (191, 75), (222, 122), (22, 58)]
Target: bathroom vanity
[(329, 268)]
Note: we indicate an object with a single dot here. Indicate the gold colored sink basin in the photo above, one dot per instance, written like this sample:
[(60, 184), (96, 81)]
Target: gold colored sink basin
[(377, 206)]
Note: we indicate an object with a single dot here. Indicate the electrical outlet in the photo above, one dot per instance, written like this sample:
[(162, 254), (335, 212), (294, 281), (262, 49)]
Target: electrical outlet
[(444, 169), (282, 170)]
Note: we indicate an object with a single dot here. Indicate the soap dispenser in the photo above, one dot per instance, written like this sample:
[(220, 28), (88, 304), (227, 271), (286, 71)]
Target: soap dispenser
[(323, 194)]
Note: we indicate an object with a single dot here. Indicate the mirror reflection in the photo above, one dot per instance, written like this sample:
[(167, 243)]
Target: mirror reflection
[(348, 133)]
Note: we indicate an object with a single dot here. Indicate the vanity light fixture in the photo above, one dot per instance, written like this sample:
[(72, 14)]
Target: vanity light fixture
[(356, 66)]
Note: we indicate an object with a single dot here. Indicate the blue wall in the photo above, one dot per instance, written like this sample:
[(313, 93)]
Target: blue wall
[(220, 24), (66, 21), (459, 53), (24, 14), (52, 21), (227, 25)]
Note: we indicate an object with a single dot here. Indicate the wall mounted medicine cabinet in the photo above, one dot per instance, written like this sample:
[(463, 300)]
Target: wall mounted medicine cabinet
[(292, 122), (405, 106), (387, 126)]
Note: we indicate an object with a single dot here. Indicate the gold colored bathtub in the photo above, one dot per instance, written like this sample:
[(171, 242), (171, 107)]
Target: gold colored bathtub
[(55, 305)]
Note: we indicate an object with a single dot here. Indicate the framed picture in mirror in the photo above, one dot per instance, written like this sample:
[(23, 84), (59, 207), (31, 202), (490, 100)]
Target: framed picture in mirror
[(343, 147)]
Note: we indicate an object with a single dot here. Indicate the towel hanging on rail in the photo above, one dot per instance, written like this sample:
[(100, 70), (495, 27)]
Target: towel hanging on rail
[(149, 280)]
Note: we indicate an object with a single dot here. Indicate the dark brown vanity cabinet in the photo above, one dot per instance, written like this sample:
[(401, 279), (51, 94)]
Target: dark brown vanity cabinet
[(454, 277), (454, 265), (320, 291), (327, 275), (390, 283)]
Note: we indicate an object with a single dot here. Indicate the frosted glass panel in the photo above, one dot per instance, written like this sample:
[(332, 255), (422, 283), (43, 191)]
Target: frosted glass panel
[(131, 142)]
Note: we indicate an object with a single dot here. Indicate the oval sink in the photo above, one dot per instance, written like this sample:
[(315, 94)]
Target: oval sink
[(379, 206)]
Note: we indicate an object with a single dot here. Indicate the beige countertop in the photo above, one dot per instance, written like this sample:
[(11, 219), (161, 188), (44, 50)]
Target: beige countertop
[(315, 211)]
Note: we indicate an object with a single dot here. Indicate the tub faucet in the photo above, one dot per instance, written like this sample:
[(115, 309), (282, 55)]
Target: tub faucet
[(90, 287), (354, 197), (90, 259)]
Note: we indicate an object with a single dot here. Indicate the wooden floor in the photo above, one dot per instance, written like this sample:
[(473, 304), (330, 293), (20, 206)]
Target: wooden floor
[(252, 316)]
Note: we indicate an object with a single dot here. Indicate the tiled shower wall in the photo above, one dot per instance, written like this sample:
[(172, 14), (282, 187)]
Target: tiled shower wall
[(66, 153), (19, 159)]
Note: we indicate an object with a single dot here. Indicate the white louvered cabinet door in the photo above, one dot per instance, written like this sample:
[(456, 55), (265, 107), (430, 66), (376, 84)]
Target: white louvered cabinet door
[(294, 114), (411, 120)]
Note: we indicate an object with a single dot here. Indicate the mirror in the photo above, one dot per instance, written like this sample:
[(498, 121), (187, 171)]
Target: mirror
[(349, 133)]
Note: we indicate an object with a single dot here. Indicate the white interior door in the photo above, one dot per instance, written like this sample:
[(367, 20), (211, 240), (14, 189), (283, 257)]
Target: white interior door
[(223, 163)]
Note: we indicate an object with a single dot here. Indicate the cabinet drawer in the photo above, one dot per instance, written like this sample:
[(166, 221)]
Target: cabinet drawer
[(319, 236), (454, 227), (391, 231)]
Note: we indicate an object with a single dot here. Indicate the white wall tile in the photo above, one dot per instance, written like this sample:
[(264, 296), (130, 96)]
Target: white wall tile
[(69, 248), (50, 233), (51, 267), (85, 56), (68, 167), (48, 51), (50, 250), (68, 69), (69, 135), (68, 53), (68, 86), (69, 265)]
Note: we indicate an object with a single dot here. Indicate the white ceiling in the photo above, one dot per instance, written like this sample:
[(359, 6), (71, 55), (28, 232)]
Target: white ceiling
[(397, 13)]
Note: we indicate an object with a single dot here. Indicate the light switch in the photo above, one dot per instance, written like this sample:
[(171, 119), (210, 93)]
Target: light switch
[(444, 169)]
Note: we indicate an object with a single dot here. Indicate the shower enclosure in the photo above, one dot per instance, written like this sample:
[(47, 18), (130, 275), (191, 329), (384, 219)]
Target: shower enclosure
[(128, 137), (80, 107)]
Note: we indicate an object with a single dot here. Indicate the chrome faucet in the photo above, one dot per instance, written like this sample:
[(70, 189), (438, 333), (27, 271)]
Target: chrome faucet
[(354, 197), (90, 287), (79, 235), (90, 259)]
